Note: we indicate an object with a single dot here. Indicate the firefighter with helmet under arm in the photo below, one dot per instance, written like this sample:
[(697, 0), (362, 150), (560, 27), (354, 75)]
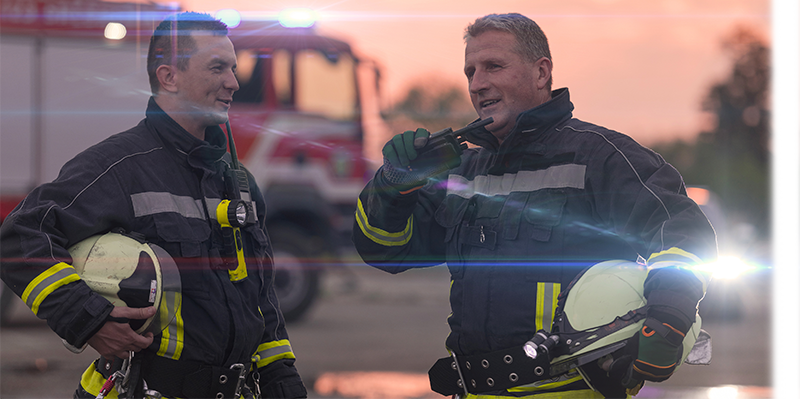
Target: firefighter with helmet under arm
[(542, 197), (166, 192)]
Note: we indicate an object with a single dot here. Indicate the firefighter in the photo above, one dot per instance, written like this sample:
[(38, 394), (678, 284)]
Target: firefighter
[(540, 198), (171, 182)]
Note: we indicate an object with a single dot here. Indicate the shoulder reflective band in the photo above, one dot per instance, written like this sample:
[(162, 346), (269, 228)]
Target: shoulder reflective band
[(380, 236), (56, 276), (272, 351)]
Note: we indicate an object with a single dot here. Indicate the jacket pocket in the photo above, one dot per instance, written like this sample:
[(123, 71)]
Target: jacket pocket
[(186, 239), (450, 215), (543, 211)]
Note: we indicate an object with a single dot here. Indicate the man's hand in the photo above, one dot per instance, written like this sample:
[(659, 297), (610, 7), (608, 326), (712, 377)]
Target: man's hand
[(660, 348), (402, 148), (117, 339), (398, 153)]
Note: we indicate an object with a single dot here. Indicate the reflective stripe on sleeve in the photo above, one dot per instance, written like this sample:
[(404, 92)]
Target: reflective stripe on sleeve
[(674, 254), (172, 326), (272, 351), (680, 258), (379, 236), (546, 302), (56, 276)]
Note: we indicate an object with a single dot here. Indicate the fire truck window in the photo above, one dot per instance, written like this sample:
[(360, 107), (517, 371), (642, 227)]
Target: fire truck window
[(282, 77), (249, 72), (326, 84)]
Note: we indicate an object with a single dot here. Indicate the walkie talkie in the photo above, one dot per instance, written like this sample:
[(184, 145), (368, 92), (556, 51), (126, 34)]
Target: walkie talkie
[(235, 212)]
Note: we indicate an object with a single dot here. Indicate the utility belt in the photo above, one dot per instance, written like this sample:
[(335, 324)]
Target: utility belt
[(493, 371), (188, 379), (528, 363)]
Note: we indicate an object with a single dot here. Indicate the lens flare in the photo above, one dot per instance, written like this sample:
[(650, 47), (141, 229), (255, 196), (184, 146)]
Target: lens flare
[(297, 18), (229, 16), (115, 31)]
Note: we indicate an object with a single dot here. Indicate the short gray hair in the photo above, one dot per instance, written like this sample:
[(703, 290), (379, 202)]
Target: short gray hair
[(531, 40)]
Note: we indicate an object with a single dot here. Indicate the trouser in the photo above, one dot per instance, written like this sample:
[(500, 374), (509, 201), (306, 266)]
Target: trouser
[(97, 373), (578, 394)]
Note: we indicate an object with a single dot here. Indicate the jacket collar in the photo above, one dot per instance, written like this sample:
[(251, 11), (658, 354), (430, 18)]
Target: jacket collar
[(558, 108), (202, 152)]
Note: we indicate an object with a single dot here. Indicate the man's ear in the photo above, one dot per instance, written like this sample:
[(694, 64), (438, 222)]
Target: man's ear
[(544, 68), (167, 78)]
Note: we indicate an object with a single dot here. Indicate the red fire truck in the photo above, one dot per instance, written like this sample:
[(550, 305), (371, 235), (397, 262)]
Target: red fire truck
[(73, 73)]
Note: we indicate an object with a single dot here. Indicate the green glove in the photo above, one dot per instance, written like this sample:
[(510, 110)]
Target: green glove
[(660, 350), (398, 154)]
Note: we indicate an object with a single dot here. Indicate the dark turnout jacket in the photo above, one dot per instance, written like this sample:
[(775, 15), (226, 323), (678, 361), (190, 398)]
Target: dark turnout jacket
[(159, 181), (517, 221)]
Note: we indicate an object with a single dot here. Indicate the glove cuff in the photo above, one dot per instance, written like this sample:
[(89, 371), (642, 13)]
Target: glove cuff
[(667, 331), (671, 308)]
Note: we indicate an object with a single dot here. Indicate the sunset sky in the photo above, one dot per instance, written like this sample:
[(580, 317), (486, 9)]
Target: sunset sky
[(640, 67)]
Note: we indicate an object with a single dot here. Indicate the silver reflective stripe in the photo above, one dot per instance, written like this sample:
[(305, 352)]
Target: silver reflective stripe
[(270, 352), (152, 203), (47, 285), (560, 176), (171, 325), (546, 301), (212, 204)]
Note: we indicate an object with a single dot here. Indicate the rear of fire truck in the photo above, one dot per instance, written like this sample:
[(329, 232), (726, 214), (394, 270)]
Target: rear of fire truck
[(74, 74)]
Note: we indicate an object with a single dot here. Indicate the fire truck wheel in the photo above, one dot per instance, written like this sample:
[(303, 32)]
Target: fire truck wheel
[(296, 277), (6, 301)]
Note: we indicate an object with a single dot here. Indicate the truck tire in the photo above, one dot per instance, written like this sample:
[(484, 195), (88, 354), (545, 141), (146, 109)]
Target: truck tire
[(296, 275), (6, 301)]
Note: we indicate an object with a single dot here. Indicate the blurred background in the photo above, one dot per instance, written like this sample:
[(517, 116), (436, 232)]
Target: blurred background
[(326, 84)]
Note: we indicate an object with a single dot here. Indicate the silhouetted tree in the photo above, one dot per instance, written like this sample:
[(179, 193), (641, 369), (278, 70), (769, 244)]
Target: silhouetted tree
[(733, 157), (740, 103)]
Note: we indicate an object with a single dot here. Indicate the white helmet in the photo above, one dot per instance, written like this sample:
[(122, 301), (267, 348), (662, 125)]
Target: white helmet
[(605, 307), (129, 272)]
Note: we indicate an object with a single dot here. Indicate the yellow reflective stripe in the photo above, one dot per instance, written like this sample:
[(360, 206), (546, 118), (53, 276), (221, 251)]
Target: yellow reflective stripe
[(92, 382), (272, 351), (680, 258), (546, 302), (580, 394), (547, 386), (172, 326), (380, 236), (44, 284), (675, 254)]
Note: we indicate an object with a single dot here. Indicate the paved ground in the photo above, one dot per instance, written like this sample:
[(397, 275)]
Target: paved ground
[(374, 335)]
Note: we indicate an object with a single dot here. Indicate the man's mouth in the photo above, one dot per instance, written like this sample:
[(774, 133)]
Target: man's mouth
[(488, 103), (225, 101)]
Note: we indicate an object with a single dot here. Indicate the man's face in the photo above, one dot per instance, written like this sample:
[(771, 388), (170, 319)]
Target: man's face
[(206, 87), (501, 83)]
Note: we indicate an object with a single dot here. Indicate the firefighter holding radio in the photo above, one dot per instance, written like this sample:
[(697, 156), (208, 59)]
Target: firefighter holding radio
[(151, 247), (541, 198)]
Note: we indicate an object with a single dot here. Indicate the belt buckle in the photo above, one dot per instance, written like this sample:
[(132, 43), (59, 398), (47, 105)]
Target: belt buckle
[(237, 392)]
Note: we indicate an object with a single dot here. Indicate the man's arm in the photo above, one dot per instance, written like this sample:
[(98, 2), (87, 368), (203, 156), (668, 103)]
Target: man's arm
[(34, 240), (394, 227)]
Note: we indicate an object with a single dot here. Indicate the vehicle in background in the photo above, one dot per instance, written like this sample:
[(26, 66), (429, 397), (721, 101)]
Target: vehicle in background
[(723, 300), (74, 73)]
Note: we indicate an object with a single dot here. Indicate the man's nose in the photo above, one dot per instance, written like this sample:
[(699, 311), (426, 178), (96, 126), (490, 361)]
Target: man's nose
[(231, 82), (478, 83)]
